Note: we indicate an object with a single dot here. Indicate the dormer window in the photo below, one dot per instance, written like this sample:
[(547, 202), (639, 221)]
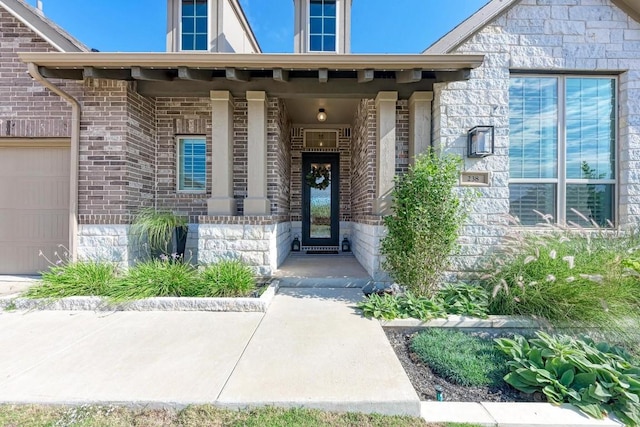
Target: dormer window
[(322, 25), (195, 22)]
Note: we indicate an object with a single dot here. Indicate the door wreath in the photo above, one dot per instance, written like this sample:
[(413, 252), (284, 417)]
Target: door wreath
[(317, 173)]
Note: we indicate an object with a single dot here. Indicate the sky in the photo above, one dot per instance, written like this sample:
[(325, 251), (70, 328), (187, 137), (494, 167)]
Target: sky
[(378, 26)]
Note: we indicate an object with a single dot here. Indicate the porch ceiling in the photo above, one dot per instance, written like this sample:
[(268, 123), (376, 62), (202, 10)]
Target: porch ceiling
[(282, 75)]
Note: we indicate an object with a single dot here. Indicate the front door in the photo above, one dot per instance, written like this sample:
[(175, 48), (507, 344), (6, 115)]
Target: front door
[(320, 199)]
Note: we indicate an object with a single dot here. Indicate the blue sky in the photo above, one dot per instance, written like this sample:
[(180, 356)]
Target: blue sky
[(379, 26)]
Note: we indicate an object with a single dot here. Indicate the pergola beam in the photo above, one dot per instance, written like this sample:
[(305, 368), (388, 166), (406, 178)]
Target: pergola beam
[(409, 76), (236, 75), (186, 73), (148, 74), (323, 75), (365, 76), (280, 75)]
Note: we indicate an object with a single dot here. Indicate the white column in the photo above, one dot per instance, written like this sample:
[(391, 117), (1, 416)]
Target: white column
[(257, 202), (386, 150), (222, 201), (419, 123)]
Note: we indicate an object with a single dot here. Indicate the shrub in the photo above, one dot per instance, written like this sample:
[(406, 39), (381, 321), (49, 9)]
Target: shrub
[(570, 277), (82, 278), (229, 278), (423, 229), (465, 299), (460, 358), (156, 278), (597, 378), (156, 229)]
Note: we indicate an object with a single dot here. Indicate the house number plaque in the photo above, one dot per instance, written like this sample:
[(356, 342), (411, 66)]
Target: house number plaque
[(475, 179)]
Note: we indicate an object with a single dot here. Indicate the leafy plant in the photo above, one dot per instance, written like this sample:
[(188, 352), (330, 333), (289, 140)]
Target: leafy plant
[(381, 307), (82, 278), (597, 378), (423, 229), (465, 299), (460, 358), (228, 278), (156, 229)]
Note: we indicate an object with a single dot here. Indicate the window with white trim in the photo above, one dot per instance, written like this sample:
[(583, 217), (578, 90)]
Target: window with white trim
[(192, 164), (322, 26), (562, 144), (194, 31)]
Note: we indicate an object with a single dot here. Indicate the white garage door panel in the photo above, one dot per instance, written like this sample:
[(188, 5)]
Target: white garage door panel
[(34, 207)]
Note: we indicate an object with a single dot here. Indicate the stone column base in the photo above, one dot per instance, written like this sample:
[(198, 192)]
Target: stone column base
[(258, 206), (221, 206)]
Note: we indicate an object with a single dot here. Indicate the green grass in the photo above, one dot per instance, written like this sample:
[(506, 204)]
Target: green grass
[(229, 278), (79, 278), (460, 358), (196, 416)]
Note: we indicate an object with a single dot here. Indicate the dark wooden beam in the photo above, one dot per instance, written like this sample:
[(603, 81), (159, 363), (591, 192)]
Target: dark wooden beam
[(323, 75), (186, 73), (280, 75), (148, 74), (106, 73), (365, 76), (52, 73), (236, 75), (452, 76), (409, 76)]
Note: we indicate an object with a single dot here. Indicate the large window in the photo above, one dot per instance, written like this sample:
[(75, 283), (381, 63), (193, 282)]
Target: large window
[(562, 134), (194, 29), (192, 164), (322, 26)]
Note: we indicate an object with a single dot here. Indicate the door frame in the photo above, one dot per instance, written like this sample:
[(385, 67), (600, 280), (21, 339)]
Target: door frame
[(334, 160)]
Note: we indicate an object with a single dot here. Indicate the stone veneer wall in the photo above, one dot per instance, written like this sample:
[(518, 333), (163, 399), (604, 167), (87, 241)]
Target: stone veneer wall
[(538, 36), (27, 109)]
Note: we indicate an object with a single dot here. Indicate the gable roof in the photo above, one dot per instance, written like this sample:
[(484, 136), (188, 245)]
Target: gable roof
[(491, 11), (45, 28)]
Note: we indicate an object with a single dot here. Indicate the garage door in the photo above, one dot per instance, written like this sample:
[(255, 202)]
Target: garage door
[(34, 204)]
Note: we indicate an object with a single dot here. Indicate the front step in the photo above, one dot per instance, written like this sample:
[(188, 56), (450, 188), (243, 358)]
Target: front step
[(324, 282)]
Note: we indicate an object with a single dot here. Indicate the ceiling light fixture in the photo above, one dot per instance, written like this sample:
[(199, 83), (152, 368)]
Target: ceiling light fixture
[(322, 115)]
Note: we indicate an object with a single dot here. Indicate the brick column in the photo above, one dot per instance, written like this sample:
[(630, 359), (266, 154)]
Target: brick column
[(257, 202), (419, 123), (222, 201), (385, 150)]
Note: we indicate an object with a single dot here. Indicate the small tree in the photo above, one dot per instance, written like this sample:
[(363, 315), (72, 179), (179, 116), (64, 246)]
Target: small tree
[(423, 229)]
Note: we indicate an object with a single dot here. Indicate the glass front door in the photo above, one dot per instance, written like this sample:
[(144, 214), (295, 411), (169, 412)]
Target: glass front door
[(320, 200)]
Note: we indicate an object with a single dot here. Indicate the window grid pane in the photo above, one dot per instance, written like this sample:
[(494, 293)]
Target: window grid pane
[(526, 199), (322, 26), (194, 30), (192, 164), (590, 203)]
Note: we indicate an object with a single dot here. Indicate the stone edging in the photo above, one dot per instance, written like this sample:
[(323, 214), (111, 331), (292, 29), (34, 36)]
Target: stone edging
[(454, 321), (151, 304)]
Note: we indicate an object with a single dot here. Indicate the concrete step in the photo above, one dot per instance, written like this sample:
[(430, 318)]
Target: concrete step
[(506, 414), (324, 282)]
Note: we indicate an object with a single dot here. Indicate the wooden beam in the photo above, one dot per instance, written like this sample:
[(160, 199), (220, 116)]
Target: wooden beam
[(148, 74), (280, 75), (452, 76), (237, 75), (186, 73), (323, 75), (52, 73), (365, 76), (106, 73), (409, 76)]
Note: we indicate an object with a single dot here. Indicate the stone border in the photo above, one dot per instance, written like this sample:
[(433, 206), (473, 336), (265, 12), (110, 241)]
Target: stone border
[(151, 304), (465, 322)]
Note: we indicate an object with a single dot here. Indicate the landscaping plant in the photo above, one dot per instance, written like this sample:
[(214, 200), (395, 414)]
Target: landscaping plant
[(460, 358), (423, 228), (156, 229), (597, 378), (227, 278), (89, 278)]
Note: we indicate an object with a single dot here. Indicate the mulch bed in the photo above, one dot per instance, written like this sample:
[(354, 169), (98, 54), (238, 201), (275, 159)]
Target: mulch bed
[(424, 381)]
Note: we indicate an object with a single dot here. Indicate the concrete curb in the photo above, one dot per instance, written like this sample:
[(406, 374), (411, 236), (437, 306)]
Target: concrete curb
[(465, 322), (151, 304), (504, 414)]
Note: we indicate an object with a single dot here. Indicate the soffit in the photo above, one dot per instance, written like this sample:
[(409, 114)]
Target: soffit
[(304, 111)]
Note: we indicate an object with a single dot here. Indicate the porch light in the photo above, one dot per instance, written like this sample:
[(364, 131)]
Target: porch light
[(480, 141), (295, 245), (322, 115), (346, 244)]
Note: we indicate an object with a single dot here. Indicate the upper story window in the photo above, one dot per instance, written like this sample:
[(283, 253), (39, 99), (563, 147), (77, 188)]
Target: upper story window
[(194, 30), (322, 26), (562, 145)]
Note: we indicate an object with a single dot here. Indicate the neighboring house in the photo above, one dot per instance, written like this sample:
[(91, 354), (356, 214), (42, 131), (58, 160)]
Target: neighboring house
[(230, 139)]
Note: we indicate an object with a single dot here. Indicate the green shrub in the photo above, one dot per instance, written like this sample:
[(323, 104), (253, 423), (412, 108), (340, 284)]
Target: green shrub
[(597, 378), (570, 277), (156, 278), (460, 358), (82, 278), (465, 299), (156, 228), (229, 278), (423, 229)]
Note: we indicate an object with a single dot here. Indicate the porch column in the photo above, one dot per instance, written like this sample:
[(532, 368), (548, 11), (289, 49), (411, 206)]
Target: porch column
[(222, 201), (257, 202), (419, 123), (386, 150)]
